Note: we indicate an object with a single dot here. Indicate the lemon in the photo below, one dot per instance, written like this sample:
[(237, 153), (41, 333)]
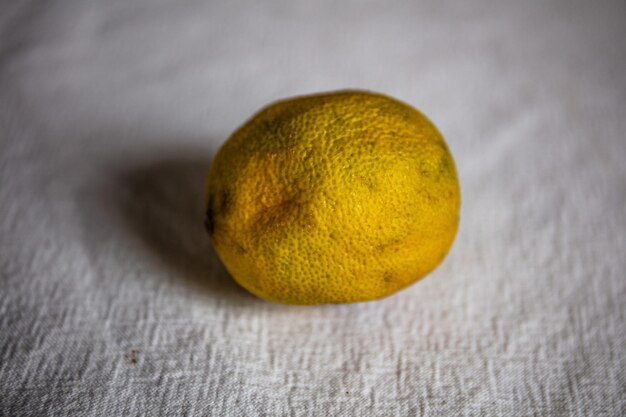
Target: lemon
[(332, 198)]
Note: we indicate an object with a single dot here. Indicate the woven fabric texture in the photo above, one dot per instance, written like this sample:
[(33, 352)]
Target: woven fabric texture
[(112, 302)]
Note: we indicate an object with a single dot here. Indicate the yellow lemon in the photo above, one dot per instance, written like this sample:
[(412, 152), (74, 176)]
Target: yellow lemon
[(332, 198)]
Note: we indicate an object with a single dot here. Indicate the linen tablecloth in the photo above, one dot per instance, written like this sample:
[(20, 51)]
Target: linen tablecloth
[(112, 302)]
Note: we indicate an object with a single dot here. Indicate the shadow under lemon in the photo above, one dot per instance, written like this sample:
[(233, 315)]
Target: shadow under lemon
[(164, 204)]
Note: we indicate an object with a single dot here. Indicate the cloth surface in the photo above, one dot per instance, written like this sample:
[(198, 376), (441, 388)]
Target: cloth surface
[(112, 302)]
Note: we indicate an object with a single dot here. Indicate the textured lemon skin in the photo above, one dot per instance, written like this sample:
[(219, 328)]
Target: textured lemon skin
[(332, 198)]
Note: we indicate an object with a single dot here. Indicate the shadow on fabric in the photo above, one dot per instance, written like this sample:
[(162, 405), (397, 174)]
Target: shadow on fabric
[(163, 203)]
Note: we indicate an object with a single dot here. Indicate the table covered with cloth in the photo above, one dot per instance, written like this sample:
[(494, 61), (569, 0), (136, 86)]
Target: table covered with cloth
[(113, 303)]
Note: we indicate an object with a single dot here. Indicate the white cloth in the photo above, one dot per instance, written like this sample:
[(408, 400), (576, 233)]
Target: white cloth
[(112, 302)]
